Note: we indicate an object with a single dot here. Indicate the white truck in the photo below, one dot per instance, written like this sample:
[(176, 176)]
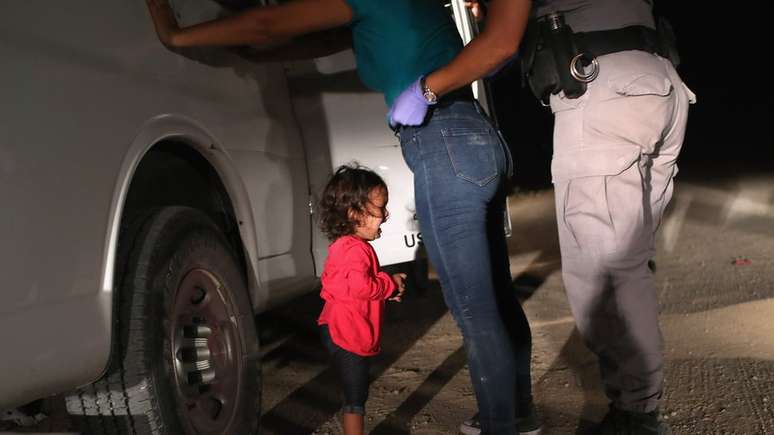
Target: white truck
[(154, 202)]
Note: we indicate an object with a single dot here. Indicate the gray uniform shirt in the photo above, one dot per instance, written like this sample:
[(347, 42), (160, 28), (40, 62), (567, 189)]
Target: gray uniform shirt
[(590, 15)]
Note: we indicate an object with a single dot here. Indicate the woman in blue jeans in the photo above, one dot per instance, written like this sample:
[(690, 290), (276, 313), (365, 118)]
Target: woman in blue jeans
[(411, 52)]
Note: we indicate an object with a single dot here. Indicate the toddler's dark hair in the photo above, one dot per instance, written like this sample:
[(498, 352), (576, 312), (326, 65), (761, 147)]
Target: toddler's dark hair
[(347, 190)]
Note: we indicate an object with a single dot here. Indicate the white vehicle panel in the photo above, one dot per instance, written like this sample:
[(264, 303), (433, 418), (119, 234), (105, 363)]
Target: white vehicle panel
[(355, 130), (88, 91), (76, 102)]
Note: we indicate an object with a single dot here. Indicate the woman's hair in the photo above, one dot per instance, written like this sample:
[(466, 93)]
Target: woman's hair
[(347, 190)]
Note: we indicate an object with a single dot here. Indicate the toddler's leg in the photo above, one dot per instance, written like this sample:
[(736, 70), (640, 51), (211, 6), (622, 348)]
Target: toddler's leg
[(352, 424), (353, 375)]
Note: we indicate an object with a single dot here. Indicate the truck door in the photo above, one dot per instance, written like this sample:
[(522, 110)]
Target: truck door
[(261, 136), (342, 122)]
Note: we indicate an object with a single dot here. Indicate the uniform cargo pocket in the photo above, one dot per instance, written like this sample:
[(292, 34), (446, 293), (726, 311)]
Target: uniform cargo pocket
[(640, 112), (472, 153), (590, 181), (589, 162), (642, 84)]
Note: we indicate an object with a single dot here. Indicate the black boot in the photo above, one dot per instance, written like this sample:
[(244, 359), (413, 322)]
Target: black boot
[(619, 422)]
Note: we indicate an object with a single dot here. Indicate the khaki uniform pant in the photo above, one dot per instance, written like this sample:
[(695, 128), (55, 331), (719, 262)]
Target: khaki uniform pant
[(615, 152)]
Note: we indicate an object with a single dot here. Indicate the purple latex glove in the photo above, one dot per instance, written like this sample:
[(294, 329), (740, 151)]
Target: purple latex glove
[(410, 107)]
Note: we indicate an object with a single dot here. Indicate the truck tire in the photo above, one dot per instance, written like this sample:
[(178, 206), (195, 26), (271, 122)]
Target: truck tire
[(185, 356)]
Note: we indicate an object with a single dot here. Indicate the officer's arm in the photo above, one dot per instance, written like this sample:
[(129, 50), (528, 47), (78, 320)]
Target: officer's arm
[(256, 26), (506, 21)]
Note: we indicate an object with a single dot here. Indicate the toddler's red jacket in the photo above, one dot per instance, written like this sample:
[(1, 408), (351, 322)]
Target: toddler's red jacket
[(354, 290)]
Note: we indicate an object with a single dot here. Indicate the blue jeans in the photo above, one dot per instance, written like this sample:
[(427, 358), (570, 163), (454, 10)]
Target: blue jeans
[(460, 167)]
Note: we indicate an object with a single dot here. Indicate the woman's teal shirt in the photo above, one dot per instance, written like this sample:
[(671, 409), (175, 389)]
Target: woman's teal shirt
[(396, 41)]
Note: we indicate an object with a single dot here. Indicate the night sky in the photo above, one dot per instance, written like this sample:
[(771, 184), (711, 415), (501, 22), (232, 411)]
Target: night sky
[(723, 52)]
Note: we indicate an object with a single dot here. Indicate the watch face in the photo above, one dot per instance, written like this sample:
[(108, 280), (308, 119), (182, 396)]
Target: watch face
[(428, 93), (430, 96)]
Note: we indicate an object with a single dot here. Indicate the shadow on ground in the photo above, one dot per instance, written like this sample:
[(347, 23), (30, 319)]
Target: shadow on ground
[(413, 319)]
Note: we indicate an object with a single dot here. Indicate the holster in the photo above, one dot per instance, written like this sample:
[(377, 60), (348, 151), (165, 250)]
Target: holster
[(548, 49), (545, 61)]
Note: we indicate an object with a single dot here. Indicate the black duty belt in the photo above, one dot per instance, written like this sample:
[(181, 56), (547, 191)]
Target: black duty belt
[(602, 42), (555, 59)]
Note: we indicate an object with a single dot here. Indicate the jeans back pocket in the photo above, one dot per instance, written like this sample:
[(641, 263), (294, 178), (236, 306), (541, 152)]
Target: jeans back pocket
[(472, 153)]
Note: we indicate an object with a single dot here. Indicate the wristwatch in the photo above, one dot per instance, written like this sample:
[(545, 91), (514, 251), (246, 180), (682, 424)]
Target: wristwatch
[(430, 96)]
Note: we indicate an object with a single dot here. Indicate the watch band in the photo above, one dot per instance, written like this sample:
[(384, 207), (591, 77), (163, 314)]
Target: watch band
[(430, 96)]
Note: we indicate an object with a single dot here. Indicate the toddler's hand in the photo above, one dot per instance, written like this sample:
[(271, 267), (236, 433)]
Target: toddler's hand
[(400, 281)]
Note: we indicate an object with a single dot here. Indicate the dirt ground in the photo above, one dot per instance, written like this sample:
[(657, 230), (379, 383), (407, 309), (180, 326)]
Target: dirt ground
[(716, 289), (717, 294)]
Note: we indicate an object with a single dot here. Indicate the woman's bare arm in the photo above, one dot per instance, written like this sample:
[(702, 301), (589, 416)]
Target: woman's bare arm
[(313, 45), (257, 26), (505, 24)]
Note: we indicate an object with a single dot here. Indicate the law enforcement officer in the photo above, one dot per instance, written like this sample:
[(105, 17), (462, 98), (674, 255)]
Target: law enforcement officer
[(606, 69)]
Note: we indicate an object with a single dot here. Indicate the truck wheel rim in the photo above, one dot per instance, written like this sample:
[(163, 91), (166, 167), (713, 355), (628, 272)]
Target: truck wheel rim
[(205, 352)]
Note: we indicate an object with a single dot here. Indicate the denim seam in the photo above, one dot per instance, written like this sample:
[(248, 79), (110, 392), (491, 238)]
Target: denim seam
[(455, 295)]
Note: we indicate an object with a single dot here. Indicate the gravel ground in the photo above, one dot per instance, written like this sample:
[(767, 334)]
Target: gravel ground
[(713, 266), (716, 251)]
